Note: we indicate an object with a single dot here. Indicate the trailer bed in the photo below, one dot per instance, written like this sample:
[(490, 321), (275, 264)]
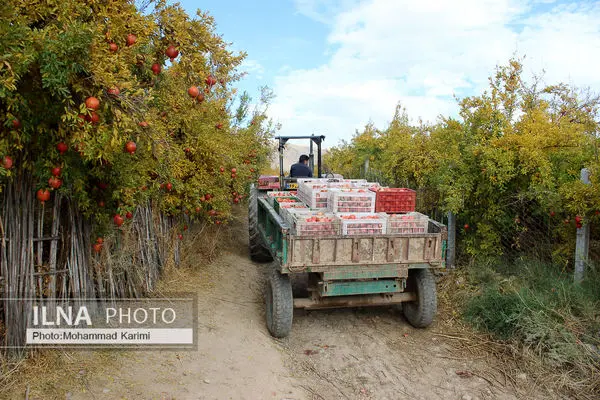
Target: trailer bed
[(328, 253), (345, 271)]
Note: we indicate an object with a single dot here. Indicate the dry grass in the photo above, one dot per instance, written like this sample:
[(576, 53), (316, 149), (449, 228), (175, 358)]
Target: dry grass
[(579, 381), (52, 374)]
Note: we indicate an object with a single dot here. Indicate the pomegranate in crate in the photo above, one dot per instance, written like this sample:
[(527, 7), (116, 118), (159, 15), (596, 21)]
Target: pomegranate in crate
[(286, 200), (314, 194), (413, 222), (290, 193), (288, 214), (279, 201), (268, 182), (395, 200), (315, 224), (273, 197), (363, 224), (351, 200), (292, 205)]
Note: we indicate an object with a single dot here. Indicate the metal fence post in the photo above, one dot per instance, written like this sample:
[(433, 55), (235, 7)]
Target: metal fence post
[(451, 252), (582, 245)]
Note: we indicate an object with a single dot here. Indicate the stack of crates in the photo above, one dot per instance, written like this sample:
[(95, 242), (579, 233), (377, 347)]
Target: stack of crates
[(348, 207), (363, 224), (351, 201), (409, 223), (313, 193)]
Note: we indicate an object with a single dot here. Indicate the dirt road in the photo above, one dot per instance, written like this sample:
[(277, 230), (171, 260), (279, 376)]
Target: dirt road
[(340, 354)]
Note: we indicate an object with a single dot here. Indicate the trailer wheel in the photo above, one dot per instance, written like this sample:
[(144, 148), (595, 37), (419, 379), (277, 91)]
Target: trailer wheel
[(280, 305), (420, 313), (258, 252)]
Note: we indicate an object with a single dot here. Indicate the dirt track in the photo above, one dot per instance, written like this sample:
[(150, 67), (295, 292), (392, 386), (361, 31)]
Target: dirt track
[(368, 353)]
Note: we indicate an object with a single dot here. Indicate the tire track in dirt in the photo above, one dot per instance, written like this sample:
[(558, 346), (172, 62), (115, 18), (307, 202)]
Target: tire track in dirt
[(370, 353)]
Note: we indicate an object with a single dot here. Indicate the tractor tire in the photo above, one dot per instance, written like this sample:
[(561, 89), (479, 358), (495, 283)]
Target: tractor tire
[(279, 304), (258, 251), (420, 313)]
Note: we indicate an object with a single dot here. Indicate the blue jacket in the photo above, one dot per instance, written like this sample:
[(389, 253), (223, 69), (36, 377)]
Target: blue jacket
[(300, 170)]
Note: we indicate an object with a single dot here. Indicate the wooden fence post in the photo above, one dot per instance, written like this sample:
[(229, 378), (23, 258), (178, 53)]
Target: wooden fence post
[(451, 251), (583, 239)]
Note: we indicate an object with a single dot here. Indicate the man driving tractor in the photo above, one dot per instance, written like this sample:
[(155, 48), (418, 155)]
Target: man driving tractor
[(301, 169)]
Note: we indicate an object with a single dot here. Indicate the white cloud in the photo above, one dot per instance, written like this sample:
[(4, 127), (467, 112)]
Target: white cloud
[(252, 67), (422, 52), (322, 10)]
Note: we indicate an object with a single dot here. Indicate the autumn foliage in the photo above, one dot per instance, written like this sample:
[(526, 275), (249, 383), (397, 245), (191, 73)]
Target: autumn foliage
[(95, 102), (512, 158)]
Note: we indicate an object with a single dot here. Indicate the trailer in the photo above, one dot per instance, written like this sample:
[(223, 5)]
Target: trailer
[(343, 271)]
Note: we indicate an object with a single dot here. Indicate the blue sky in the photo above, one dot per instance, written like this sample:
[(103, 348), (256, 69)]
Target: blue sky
[(335, 65)]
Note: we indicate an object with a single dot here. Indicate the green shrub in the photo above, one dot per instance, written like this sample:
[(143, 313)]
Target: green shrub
[(540, 307)]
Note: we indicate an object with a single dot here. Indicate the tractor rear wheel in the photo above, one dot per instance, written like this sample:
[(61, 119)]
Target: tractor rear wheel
[(420, 313), (258, 251), (279, 303)]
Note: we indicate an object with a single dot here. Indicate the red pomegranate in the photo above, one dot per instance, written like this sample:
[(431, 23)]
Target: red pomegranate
[(193, 91), (131, 39), (210, 80), (7, 162), (54, 182), (62, 148), (130, 147), (114, 91), (43, 195), (92, 103), (118, 220), (172, 52), (94, 118)]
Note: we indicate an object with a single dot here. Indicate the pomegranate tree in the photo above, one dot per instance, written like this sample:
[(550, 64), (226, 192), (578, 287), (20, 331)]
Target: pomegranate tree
[(130, 99)]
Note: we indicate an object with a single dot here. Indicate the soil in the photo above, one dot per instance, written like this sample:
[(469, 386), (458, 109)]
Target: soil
[(370, 353)]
